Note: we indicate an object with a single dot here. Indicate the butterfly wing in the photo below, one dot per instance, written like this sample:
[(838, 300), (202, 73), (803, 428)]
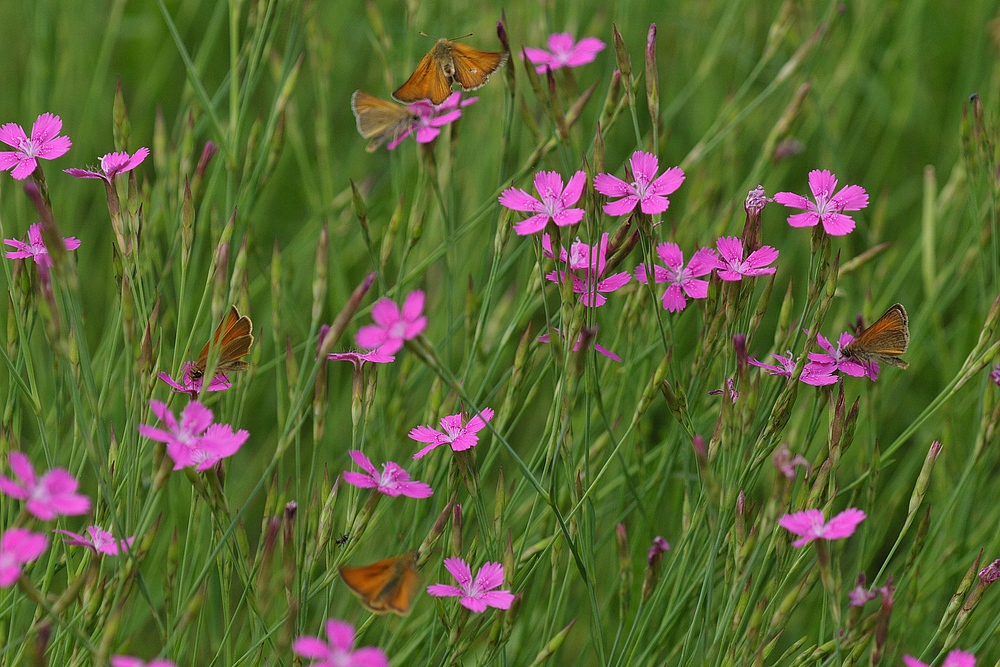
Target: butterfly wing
[(378, 119), (428, 82), (388, 585), (889, 334), (234, 337), (472, 66)]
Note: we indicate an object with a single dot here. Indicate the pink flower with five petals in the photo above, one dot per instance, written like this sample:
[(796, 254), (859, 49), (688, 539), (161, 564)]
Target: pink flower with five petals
[(554, 205), (460, 436), (476, 594), (35, 247), (43, 145), (393, 326), (98, 540), (649, 192), (828, 208), (111, 165), (683, 279), (589, 262), (733, 267), (193, 387), (46, 498), (392, 481), (811, 525), (339, 651), (17, 547), (563, 52), (431, 118), (822, 367)]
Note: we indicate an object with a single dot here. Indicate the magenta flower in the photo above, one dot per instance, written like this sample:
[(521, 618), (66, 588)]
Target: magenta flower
[(129, 661), (649, 194), (784, 369), (476, 595), (995, 375), (459, 435), (195, 441), (955, 658), (35, 247), (52, 495), (17, 547), (339, 651), (357, 358), (193, 387), (544, 338), (683, 279), (829, 208), (431, 118), (785, 462), (859, 595), (732, 265), (656, 550), (111, 165), (564, 52), (822, 366), (97, 539), (392, 481), (810, 525), (555, 204), (43, 145), (392, 327), (590, 261)]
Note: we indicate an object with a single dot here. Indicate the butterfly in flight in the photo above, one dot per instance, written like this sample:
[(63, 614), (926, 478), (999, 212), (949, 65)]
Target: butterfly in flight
[(449, 62), (386, 586)]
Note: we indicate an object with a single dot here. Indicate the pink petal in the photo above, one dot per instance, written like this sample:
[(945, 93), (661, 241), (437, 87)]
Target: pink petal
[(612, 186), (13, 135), (696, 289), (731, 249), (560, 42), (534, 54), (385, 313), (519, 200), (490, 576), (8, 159), (910, 661), (413, 306), (374, 336), (21, 466), (442, 590), (135, 160), (548, 185), (414, 328), (195, 418), (584, 51), (838, 224), (644, 166), (474, 604), (843, 524), (703, 261), (71, 242), (793, 200), (822, 183), (667, 183), (446, 118), (802, 523), (311, 647), (426, 434), (54, 148), (730, 276), (851, 198), (654, 204), (593, 300), (45, 127), (341, 634), (460, 570), (614, 282), (762, 257), (425, 135), (498, 599), (532, 225), (660, 274), (607, 353), (673, 299), (570, 216), (574, 189), (463, 442), (363, 462), (24, 168), (671, 255), (478, 422), (622, 206), (369, 656), (803, 219), (416, 489), (959, 658), (423, 452)]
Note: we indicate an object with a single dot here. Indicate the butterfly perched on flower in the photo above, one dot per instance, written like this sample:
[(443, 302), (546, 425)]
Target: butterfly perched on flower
[(233, 337), (449, 62), (388, 585), (884, 340)]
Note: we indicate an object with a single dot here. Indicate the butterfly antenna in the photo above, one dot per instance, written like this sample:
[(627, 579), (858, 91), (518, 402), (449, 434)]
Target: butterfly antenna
[(462, 37)]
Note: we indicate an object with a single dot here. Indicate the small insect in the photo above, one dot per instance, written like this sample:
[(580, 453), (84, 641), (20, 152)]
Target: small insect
[(449, 62), (342, 540), (386, 586), (380, 120), (234, 339), (884, 340)]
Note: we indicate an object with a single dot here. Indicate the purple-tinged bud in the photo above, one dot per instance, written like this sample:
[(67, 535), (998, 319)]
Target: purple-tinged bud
[(995, 375), (653, 556), (755, 202), (990, 573), (740, 347)]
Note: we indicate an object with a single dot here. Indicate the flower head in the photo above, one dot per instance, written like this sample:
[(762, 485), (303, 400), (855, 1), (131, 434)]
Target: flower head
[(46, 498), (430, 118), (339, 650), (393, 326), (822, 365), (683, 279), (785, 369), (564, 52), (458, 433), (811, 526), (392, 481), (589, 262), (193, 387), (828, 208), (17, 547), (649, 192), (357, 358), (554, 205), (35, 247), (955, 658), (97, 539), (477, 594), (43, 144), (732, 265), (600, 349), (111, 165), (656, 550), (195, 440), (129, 661)]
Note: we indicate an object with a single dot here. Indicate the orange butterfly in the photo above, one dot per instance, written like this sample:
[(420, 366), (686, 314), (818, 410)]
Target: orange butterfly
[(445, 64), (380, 120), (234, 338), (388, 585), (884, 340)]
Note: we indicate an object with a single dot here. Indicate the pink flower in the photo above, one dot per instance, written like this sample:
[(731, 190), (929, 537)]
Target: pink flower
[(785, 462), (683, 280), (460, 436), (564, 52), (590, 261), (195, 441), (111, 165), (822, 366), (810, 525), (476, 595), (544, 338), (97, 539), (430, 118), (732, 265), (555, 204), (650, 194), (43, 144), (375, 356), (656, 550), (339, 651), (956, 658), (129, 661), (995, 375), (392, 327), (52, 495), (859, 595), (827, 209), (392, 481), (193, 387), (785, 369), (35, 247), (17, 547)]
